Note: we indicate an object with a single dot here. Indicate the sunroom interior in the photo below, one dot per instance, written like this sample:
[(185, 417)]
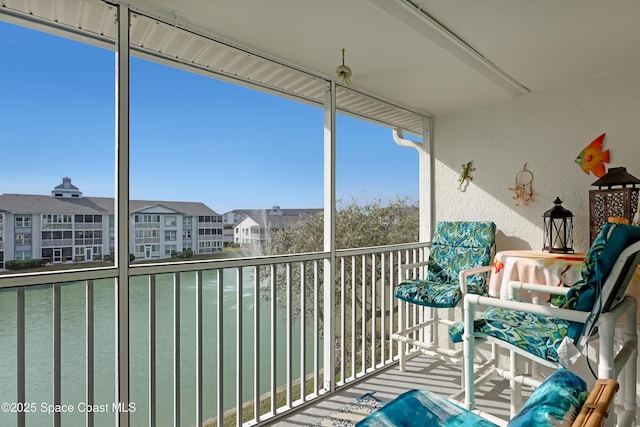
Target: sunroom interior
[(504, 86)]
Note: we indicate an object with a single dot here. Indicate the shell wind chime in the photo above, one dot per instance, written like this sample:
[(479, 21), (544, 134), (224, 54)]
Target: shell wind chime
[(343, 72)]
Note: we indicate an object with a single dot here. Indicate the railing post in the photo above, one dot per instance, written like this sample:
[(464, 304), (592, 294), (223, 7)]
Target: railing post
[(329, 234)]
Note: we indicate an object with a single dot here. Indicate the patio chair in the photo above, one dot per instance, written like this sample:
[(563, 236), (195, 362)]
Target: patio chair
[(459, 262), (587, 310)]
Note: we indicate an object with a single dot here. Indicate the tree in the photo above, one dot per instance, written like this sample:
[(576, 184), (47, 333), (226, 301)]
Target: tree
[(357, 226)]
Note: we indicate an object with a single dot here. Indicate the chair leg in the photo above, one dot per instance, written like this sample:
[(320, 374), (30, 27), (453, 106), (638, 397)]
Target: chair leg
[(402, 325), (468, 352), (515, 386), (630, 370)]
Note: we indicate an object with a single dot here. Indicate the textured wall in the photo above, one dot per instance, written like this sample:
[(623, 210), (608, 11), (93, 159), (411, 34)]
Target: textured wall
[(546, 130)]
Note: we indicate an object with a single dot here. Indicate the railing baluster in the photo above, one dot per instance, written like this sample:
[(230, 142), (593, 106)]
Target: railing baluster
[(273, 271), (239, 346), (176, 349), (219, 345), (316, 326), (343, 319), (152, 350), (353, 317), (383, 316), (20, 356), (392, 304), (256, 344), (89, 351), (373, 311), (363, 310), (288, 345), (199, 348), (57, 354), (303, 339)]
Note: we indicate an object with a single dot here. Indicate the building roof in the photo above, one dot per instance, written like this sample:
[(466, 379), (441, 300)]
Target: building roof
[(38, 204)]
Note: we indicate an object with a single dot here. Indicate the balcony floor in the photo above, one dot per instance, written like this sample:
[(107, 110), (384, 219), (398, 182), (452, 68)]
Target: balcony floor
[(422, 372)]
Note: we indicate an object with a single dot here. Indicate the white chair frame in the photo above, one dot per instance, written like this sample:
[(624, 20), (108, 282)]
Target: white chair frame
[(612, 364)]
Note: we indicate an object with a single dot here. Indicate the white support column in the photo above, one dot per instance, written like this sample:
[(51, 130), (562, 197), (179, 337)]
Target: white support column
[(329, 234), (122, 215), (425, 189)]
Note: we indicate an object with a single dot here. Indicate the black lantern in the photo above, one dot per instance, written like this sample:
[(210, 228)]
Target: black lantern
[(616, 196), (558, 229)]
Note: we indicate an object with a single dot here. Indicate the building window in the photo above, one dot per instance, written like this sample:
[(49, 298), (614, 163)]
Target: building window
[(146, 218), (56, 219), (207, 247), (87, 218), (170, 235), (23, 255), (23, 221), (210, 218), (23, 238), (186, 234), (187, 221), (169, 250), (170, 221)]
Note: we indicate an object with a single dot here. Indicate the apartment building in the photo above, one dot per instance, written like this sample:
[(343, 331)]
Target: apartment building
[(254, 226), (66, 226)]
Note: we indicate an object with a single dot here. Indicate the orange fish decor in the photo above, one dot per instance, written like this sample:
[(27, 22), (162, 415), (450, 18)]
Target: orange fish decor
[(592, 158)]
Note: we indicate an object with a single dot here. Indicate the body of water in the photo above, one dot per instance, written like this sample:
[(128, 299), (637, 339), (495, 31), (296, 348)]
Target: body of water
[(39, 348)]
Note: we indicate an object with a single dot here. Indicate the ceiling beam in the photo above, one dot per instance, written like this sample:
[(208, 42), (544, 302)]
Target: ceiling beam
[(415, 17)]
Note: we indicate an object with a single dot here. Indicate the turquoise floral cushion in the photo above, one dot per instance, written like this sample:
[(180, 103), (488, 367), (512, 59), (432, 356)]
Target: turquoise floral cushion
[(456, 246), (542, 335), (605, 249)]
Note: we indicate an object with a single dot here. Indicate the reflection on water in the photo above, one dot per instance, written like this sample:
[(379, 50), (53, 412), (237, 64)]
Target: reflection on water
[(39, 348)]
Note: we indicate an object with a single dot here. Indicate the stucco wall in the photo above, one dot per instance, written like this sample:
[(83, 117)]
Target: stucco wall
[(546, 130)]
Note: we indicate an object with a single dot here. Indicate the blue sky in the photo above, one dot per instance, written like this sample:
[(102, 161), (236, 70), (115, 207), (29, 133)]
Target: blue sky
[(193, 138)]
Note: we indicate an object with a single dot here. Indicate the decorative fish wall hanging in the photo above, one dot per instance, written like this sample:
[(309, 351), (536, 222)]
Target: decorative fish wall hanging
[(592, 158)]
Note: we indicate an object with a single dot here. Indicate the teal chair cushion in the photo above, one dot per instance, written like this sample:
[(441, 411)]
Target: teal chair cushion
[(555, 403), (535, 334), (542, 335), (604, 251), (456, 246), (422, 408)]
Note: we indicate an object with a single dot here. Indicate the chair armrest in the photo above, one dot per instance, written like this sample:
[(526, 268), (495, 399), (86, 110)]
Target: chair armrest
[(536, 287), (596, 409), (471, 300), (464, 276)]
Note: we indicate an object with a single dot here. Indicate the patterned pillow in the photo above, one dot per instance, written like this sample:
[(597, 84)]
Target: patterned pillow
[(556, 402), (422, 408)]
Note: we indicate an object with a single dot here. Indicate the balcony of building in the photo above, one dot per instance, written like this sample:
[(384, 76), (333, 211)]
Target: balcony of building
[(528, 84)]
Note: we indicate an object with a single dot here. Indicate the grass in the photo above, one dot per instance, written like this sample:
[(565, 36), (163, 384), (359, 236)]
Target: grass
[(229, 417)]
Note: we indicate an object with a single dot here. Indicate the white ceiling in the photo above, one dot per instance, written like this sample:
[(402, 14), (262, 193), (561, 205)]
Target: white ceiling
[(432, 56), (541, 44)]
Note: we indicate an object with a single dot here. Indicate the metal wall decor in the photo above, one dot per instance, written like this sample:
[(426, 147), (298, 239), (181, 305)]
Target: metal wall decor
[(616, 196)]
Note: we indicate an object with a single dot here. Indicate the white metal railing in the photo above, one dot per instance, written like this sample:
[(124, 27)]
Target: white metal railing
[(208, 339)]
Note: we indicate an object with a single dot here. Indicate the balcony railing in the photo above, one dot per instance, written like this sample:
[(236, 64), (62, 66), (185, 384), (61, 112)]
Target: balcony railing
[(207, 339)]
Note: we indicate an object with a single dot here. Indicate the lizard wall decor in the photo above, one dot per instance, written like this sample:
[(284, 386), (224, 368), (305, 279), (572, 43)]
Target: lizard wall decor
[(467, 168)]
